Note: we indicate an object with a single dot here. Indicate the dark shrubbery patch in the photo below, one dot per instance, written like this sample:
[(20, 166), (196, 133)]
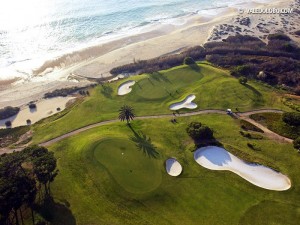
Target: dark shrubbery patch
[(32, 106), (64, 92), (8, 112), (8, 123), (245, 125), (12, 135), (278, 36), (291, 118), (189, 61), (159, 63), (297, 143), (275, 123)]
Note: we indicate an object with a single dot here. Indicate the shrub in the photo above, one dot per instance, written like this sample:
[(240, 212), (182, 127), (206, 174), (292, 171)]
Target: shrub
[(8, 112), (189, 61), (32, 106), (278, 36), (197, 131), (8, 123), (243, 80), (291, 118), (296, 143)]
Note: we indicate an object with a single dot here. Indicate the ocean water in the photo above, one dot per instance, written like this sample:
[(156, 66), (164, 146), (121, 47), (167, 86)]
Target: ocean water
[(34, 30)]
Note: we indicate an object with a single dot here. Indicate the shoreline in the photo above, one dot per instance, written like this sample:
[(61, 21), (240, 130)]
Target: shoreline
[(96, 61)]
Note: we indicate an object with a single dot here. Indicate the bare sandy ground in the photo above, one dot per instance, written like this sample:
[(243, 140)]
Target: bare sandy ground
[(96, 61), (45, 108)]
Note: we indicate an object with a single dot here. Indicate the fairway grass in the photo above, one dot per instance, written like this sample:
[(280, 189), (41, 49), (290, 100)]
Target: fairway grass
[(96, 184), (154, 93)]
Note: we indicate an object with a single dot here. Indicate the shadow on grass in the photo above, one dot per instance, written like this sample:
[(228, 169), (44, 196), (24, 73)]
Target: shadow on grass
[(107, 91), (56, 213), (256, 92), (157, 76), (195, 67), (207, 142), (144, 143)]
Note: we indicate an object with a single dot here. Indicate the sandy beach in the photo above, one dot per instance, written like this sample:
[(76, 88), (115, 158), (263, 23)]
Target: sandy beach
[(96, 61)]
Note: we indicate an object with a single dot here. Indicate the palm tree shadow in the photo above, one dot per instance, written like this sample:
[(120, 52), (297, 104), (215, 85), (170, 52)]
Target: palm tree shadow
[(144, 143), (256, 92)]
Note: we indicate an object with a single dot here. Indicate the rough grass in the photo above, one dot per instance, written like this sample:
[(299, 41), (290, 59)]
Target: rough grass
[(214, 89), (11, 135), (274, 122), (89, 178)]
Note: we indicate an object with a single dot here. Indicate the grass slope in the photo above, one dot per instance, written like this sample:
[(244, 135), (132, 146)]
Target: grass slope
[(92, 180), (214, 89)]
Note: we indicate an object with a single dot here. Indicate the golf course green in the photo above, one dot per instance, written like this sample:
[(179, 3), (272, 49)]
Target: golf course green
[(91, 166), (153, 94), (115, 173), (128, 166)]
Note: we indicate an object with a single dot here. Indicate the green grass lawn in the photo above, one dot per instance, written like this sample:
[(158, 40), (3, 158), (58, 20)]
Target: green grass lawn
[(97, 184), (153, 94), (275, 123)]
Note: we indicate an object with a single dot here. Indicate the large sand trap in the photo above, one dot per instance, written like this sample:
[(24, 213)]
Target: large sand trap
[(173, 167), (125, 88), (216, 158), (44, 108), (186, 103)]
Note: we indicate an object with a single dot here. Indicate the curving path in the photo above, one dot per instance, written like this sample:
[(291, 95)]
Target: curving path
[(244, 115)]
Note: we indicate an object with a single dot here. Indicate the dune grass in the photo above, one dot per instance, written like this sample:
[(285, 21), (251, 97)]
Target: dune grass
[(154, 93), (96, 184)]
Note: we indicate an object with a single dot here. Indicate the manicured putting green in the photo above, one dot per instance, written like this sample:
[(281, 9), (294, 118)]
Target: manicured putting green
[(129, 167)]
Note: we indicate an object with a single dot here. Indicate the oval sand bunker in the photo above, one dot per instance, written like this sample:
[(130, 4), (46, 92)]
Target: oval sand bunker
[(216, 158), (186, 103), (125, 88), (173, 167)]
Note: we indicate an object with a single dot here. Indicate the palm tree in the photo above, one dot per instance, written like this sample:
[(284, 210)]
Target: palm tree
[(126, 113)]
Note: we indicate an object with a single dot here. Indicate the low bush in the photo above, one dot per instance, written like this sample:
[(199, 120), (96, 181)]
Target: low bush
[(8, 112), (279, 36)]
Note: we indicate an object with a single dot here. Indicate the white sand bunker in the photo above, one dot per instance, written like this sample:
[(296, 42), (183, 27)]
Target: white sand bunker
[(125, 88), (173, 167), (216, 158), (186, 103)]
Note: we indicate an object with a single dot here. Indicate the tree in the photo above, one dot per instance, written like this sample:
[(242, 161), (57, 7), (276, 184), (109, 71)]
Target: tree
[(291, 118), (126, 113), (17, 187), (296, 143), (189, 61), (197, 131), (243, 80), (44, 167)]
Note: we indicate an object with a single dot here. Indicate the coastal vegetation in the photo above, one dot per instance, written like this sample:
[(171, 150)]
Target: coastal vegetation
[(8, 112), (244, 55)]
